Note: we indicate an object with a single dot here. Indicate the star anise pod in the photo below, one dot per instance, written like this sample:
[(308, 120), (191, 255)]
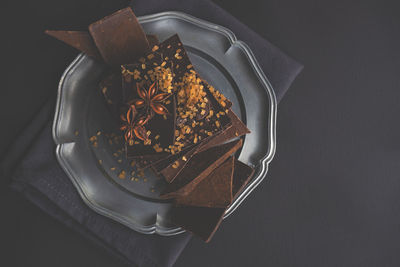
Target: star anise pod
[(150, 99), (134, 127)]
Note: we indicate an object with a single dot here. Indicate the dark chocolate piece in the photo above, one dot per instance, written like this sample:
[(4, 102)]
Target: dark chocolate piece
[(200, 221), (236, 129), (203, 222), (215, 191), (177, 164), (241, 176), (144, 73), (201, 165), (80, 40), (119, 37)]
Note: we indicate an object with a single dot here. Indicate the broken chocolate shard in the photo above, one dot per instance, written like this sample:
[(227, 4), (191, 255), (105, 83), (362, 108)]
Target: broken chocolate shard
[(80, 40), (119, 37), (241, 177), (215, 191), (201, 165), (203, 222)]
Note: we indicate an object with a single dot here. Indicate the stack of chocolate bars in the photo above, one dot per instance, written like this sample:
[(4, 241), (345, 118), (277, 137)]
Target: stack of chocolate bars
[(172, 120)]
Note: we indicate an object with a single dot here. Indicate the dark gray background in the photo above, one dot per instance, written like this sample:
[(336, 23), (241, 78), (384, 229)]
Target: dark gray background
[(332, 193)]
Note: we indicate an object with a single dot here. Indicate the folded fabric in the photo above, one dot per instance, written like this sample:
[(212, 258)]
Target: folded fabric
[(36, 174)]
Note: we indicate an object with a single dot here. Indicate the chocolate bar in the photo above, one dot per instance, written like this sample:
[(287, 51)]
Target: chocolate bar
[(215, 191), (119, 37), (204, 222), (201, 165), (80, 40)]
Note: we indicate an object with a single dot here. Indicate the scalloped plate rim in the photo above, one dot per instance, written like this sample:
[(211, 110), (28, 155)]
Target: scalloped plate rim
[(263, 163)]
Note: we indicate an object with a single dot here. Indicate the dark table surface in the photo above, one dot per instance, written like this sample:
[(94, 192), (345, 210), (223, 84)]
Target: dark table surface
[(332, 197)]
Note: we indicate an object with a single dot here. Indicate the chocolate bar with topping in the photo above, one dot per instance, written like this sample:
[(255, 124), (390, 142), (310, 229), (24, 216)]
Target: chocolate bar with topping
[(202, 221), (201, 165), (173, 166), (169, 65)]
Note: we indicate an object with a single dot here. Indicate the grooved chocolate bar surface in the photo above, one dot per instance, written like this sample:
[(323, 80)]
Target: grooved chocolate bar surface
[(119, 37), (215, 191), (201, 165)]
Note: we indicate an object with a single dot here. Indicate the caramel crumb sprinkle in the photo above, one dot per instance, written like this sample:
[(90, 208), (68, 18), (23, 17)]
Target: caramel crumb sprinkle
[(133, 163), (119, 160), (175, 164), (184, 158), (122, 175), (112, 168), (155, 48), (99, 133)]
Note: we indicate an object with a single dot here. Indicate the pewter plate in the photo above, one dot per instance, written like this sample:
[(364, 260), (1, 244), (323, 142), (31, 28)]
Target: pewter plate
[(81, 112)]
